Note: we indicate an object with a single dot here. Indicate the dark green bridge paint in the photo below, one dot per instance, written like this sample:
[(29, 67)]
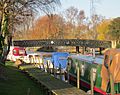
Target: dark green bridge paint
[(63, 42)]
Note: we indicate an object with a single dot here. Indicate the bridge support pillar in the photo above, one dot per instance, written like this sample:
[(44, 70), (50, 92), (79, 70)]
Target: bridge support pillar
[(77, 49), (83, 50), (100, 50), (114, 44)]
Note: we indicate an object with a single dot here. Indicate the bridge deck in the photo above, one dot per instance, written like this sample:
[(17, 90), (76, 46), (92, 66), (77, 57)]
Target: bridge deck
[(53, 84)]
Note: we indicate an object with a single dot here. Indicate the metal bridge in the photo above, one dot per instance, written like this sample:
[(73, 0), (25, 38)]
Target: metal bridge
[(63, 42)]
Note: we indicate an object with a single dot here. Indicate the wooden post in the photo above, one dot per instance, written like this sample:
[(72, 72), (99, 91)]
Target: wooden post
[(28, 91), (112, 84), (91, 80), (60, 71), (78, 77), (43, 66), (68, 75), (53, 70), (48, 69), (94, 52)]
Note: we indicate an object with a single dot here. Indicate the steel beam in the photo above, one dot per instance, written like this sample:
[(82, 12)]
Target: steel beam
[(63, 42)]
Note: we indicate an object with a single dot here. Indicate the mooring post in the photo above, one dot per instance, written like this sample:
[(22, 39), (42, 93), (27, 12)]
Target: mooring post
[(78, 77), (47, 67), (68, 75), (53, 70), (60, 71), (112, 84), (44, 69), (91, 81), (94, 52), (28, 91)]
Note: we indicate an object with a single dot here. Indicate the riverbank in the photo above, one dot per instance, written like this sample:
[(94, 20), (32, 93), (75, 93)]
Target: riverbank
[(17, 83)]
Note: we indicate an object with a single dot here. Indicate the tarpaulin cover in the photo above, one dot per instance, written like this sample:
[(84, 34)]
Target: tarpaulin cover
[(60, 58), (111, 66)]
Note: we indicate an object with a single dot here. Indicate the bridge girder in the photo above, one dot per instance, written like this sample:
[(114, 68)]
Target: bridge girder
[(63, 42)]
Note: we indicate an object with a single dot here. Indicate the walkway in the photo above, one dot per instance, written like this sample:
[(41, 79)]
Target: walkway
[(52, 85)]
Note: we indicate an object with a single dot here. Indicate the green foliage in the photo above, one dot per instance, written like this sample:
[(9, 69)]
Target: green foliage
[(114, 29), (102, 29), (118, 46)]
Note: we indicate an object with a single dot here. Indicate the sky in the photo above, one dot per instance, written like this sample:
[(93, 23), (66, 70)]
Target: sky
[(107, 8)]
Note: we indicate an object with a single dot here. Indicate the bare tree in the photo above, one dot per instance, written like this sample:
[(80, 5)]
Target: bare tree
[(81, 25), (13, 12), (48, 28), (70, 16), (81, 17), (95, 20)]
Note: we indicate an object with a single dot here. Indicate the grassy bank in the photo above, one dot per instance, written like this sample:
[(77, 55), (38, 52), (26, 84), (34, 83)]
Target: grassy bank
[(17, 83)]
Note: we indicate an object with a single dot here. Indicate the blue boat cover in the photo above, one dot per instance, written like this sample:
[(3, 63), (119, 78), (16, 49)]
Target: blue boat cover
[(60, 59)]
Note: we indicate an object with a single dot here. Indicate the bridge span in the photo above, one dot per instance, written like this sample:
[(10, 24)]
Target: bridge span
[(63, 42)]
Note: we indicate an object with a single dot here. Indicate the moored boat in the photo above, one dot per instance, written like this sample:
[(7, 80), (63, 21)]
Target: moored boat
[(103, 68)]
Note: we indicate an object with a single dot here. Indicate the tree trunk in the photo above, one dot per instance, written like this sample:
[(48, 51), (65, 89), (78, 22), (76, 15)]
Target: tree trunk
[(4, 36), (6, 48)]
